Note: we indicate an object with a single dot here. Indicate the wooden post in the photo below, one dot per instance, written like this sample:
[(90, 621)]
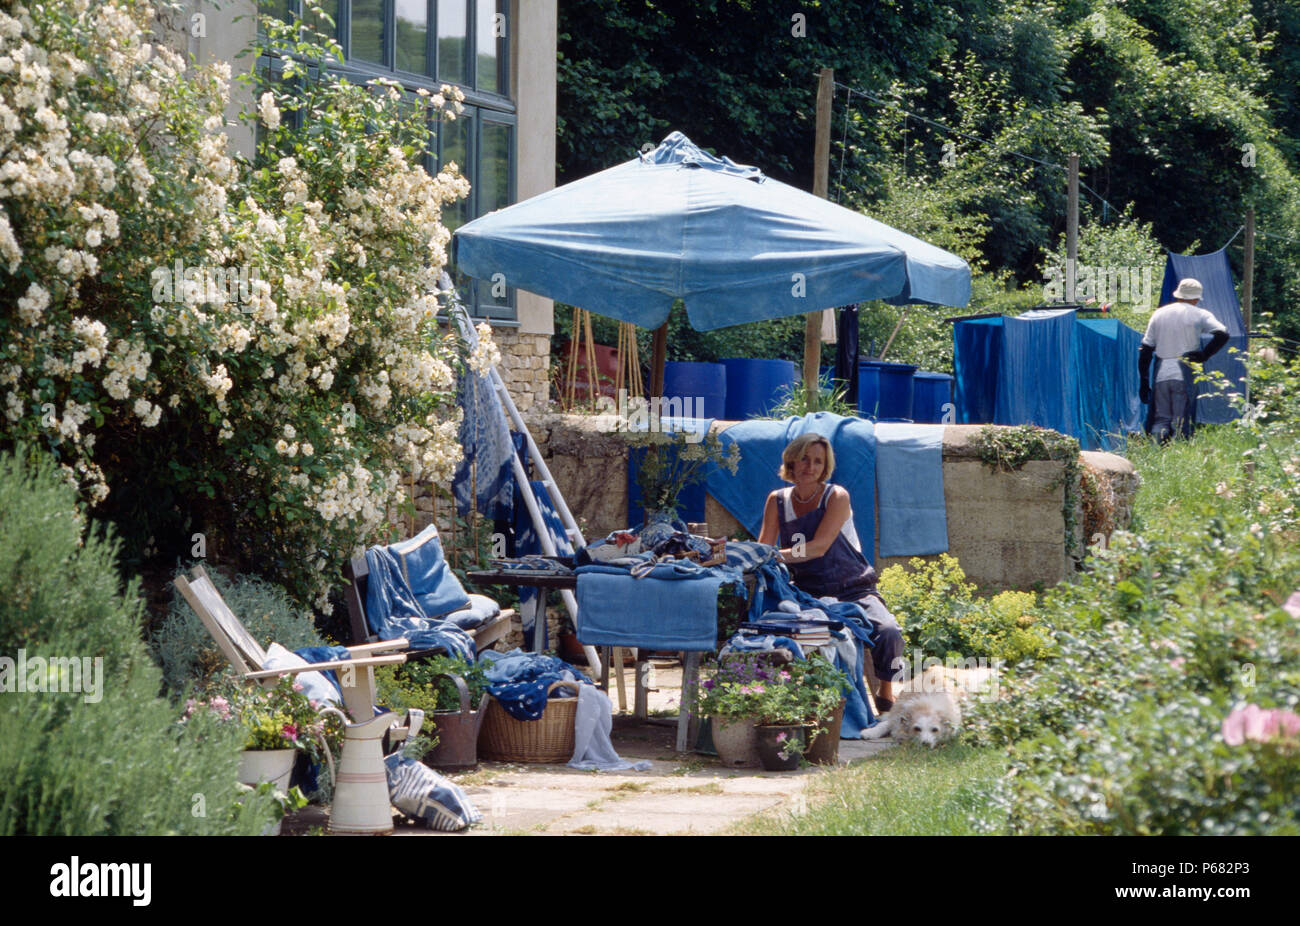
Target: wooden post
[(812, 329), (658, 360), (1072, 229), (1248, 270)]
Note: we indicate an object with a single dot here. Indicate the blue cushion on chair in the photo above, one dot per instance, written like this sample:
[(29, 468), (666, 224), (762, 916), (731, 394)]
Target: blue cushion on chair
[(435, 586)]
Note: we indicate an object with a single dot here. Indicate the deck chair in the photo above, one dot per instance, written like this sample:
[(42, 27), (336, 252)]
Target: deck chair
[(357, 573), (361, 791)]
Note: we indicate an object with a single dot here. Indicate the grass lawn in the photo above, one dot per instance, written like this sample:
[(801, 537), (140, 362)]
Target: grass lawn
[(907, 791), (1179, 476)]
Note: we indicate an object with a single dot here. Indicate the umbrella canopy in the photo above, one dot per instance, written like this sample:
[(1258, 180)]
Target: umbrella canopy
[(734, 245)]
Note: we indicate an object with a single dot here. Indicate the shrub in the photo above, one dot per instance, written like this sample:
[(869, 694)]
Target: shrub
[(941, 615), (77, 764), (189, 655), (278, 420)]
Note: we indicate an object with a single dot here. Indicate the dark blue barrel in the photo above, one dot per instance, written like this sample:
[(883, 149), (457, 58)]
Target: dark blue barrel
[(885, 390), (695, 382), (930, 393), (754, 387)]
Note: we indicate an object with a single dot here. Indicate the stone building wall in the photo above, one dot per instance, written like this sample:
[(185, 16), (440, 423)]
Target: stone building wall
[(525, 366)]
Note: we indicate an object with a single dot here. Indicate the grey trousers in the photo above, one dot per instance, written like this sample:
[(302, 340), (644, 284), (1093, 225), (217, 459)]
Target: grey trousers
[(1171, 410)]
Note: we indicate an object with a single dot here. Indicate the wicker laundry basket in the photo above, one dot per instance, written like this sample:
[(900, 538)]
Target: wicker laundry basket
[(547, 739)]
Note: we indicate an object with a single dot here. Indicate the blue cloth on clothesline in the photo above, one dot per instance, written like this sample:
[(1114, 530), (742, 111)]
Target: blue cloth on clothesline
[(519, 680), (909, 480)]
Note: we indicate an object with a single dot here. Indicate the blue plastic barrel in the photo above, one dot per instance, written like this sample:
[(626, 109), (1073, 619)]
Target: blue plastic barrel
[(702, 384), (754, 387), (930, 393), (885, 389)]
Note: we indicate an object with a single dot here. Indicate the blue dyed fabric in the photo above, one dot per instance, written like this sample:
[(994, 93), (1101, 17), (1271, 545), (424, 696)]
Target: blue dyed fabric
[(761, 445), (909, 483), (485, 438), (1220, 298), (393, 605), (421, 793), (676, 612), (519, 680), (735, 245)]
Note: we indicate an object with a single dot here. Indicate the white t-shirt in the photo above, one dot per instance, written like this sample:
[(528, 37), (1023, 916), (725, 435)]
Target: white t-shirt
[(1175, 329)]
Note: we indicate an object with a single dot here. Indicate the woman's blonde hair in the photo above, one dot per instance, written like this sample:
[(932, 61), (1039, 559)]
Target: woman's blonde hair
[(795, 451)]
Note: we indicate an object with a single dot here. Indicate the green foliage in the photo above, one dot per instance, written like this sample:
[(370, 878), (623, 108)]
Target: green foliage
[(111, 762), (743, 687), (188, 654), (433, 672), (795, 400), (941, 614), (1120, 730), (399, 692), (675, 461)]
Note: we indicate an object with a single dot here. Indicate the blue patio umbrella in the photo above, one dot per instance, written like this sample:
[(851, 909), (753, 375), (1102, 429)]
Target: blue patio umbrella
[(734, 245)]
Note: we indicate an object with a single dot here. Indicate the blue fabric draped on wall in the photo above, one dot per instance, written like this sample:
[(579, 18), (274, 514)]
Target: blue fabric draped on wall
[(1220, 297), (1053, 369)]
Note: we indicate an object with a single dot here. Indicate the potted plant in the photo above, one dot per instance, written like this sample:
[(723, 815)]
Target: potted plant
[(460, 689), (824, 686), (671, 463), (279, 723), (742, 693)]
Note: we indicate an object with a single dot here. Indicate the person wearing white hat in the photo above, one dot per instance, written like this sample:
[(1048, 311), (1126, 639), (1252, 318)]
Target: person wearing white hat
[(1173, 337)]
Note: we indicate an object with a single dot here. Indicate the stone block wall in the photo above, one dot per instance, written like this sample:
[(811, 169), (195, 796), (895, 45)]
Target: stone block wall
[(526, 367)]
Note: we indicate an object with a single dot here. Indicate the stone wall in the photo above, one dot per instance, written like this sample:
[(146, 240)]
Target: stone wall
[(525, 366), (1006, 529)]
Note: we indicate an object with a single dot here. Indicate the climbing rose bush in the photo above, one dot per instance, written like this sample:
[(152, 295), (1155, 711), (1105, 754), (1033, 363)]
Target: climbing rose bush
[(246, 354)]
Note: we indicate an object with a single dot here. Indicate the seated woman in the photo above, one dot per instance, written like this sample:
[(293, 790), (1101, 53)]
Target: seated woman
[(813, 522)]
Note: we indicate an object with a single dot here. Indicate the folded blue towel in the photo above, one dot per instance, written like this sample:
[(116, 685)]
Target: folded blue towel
[(909, 480), (680, 613)]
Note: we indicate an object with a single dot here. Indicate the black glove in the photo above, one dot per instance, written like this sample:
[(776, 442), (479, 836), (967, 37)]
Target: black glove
[(1144, 393), (1196, 356)]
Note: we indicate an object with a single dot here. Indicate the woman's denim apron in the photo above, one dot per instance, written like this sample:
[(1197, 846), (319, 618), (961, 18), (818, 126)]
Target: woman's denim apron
[(844, 573)]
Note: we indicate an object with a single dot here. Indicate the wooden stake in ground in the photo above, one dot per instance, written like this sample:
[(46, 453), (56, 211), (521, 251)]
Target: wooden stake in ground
[(812, 329), (1072, 228), (1248, 270)]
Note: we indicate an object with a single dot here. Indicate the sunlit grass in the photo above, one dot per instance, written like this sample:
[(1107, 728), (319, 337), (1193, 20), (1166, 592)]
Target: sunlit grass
[(908, 791), (1179, 477)]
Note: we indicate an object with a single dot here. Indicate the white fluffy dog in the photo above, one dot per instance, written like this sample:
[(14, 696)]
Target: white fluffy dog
[(929, 718), (927, 711)]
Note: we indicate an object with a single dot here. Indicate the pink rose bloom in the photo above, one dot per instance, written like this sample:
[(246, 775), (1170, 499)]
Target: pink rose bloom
[(290, 732), (297, 686), (1234, 728), (1256, 723), (1177, 662)]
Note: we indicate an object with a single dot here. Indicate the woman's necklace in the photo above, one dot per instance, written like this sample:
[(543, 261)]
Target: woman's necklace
[(805, 501)]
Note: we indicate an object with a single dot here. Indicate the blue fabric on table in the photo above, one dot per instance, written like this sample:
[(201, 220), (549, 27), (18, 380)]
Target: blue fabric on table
[(772, 586), (519, 680), (909, 484), (485, 439), (393, 609), (749, 555), (766, 643), (678, 612), (761, 445), (1220, 298)]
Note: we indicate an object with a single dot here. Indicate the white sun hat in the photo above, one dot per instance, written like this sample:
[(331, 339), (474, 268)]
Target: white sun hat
[(1189, 289)]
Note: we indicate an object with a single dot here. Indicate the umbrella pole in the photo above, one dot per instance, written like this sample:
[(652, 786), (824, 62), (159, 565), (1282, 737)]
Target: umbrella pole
[(660, 359), (901, 318)]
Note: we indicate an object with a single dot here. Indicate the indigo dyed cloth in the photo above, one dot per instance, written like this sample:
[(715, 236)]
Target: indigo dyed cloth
[(676, 612), (909, 481), (519, 680), (592, 747), (395, 606), (420, 792), (485, 437), (761, 445)]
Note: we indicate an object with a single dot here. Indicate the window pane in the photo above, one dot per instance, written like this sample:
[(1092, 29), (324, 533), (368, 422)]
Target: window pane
[(280, 9), (453, 34), (455, 138), (317, 22), (412, 33), (368, 30), (494, 168), (491, 40)]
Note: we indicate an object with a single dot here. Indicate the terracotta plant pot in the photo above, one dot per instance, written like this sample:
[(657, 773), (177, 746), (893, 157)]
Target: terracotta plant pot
[(776, 750), (824, 749), (736, 742)]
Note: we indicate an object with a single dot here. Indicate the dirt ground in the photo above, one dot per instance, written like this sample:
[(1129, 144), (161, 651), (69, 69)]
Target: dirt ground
[(686, 793)]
